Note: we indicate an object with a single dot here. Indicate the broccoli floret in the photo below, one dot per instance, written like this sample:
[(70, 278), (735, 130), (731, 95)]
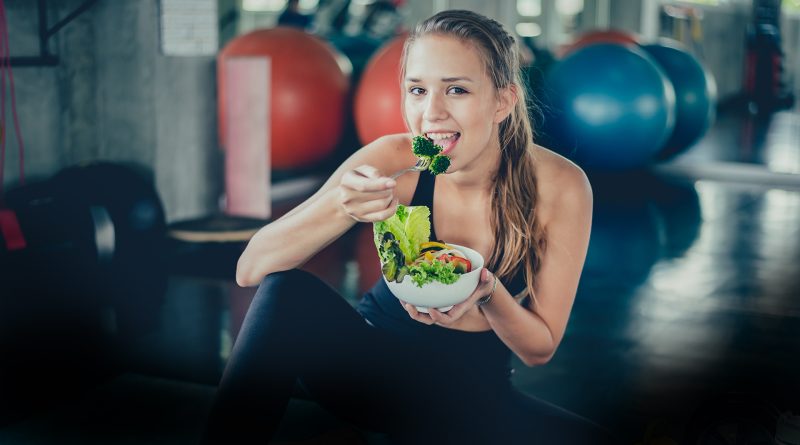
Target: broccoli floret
[(424, 147), (439, 165)]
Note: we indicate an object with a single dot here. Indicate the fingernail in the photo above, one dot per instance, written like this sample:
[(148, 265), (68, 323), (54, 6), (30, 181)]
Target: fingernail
[(391, 183)]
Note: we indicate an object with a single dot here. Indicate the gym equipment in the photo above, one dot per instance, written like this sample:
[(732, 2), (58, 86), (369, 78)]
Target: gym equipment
[(359, 49), (209, 247), (95, 229), (764, 84), (695, 95), (377, 107), (52, 235), (611, 36), (608, 107), (308, 93), (89, 275)]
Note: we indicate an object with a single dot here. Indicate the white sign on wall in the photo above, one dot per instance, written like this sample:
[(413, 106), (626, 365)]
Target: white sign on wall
[(189, 27)]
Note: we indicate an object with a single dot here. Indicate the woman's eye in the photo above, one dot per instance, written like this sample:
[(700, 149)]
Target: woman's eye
[(416, 91), (457, 90)]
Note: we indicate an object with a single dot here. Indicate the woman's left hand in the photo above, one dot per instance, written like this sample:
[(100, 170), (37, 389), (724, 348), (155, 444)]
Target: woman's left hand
[(448, 318)]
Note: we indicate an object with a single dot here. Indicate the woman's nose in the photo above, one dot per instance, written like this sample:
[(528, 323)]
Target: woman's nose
[(434, 109)]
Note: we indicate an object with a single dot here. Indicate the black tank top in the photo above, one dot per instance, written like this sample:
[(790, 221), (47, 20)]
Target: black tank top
[(475, 350)]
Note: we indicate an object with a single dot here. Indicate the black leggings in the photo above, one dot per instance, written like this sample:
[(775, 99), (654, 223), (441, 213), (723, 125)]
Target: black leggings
[(297, 327)]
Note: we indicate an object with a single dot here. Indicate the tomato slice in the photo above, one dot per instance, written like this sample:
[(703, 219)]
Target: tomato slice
[(463, 265)]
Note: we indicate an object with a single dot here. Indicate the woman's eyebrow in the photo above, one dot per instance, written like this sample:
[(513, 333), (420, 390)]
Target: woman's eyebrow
[(444, 79), (456, 79)]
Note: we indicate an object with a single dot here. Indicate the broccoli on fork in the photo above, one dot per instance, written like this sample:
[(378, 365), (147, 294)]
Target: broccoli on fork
[(439, 164), (425, 148)]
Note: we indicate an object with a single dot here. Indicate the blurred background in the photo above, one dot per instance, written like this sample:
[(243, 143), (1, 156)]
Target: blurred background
[(143, 142)]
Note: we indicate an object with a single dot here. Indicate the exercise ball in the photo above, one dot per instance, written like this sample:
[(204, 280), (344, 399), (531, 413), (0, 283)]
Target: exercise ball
[(608, 107), (695, 95), (612, 36), (308, 90), (377, 107)]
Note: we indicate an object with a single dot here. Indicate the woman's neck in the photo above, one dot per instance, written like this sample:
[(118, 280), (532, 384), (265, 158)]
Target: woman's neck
[(477, 176)]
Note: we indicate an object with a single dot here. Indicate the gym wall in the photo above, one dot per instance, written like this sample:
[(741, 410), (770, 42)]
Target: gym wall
[(115, 97)]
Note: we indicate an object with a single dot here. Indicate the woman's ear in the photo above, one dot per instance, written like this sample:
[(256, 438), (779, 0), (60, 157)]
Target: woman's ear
[(506, 103)]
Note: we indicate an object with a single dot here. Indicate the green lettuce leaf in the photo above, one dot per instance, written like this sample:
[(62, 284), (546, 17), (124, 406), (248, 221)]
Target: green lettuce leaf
[(418, 230), (393, 263), (411, 226), (424, 273), (391, 225)]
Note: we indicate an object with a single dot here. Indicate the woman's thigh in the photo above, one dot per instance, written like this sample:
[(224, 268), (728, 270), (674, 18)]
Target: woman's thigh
[(358, 372), (379, 382)]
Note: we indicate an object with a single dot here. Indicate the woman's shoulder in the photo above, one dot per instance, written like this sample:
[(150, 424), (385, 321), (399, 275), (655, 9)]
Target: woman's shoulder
[(560, 183)]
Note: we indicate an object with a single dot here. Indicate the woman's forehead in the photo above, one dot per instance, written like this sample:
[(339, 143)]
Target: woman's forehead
[(438, 56)]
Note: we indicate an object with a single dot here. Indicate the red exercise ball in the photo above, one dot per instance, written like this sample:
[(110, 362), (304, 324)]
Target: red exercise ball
[(308, 92), (616, 36), (377, 107)]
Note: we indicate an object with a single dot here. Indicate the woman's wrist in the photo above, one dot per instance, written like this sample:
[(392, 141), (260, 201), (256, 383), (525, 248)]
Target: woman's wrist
[(487, 298)]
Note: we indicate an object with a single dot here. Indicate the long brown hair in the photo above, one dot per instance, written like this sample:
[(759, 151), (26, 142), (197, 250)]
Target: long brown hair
[(516, 228)]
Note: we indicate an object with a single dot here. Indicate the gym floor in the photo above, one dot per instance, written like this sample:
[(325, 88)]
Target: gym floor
[(686, 323)]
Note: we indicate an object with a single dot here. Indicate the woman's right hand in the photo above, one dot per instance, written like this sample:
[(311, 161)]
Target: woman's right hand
[(367, 196)]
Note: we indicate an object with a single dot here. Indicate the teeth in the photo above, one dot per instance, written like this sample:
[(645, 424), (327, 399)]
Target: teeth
[(440, 136)]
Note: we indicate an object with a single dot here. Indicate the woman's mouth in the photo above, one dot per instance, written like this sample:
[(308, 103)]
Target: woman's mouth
[(445, 140)]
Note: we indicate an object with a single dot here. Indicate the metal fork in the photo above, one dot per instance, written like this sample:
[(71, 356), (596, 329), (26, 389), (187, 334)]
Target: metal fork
[(421, 165)]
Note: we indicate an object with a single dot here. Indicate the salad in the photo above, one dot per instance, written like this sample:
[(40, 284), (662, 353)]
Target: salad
[(405, 249)]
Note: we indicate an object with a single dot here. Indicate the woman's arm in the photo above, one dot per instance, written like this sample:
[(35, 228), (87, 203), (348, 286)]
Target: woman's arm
[(535, 332), (355, 191)]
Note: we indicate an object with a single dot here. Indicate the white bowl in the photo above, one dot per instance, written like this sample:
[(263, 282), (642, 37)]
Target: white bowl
[(439, 295)]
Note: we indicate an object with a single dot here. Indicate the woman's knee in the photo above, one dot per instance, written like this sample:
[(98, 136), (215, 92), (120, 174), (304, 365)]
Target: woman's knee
[(286, 280), (287, 289)]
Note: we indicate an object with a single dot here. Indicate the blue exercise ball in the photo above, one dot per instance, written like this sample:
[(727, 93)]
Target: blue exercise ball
[(695, 95), (608, 107)]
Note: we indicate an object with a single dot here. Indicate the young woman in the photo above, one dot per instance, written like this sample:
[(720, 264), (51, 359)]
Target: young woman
[(438, 377)]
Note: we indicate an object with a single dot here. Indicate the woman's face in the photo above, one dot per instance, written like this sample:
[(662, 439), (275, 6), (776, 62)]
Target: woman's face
[(449, 98)]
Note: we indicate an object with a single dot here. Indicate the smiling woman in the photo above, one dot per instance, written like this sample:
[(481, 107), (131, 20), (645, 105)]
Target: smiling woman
[(436, 377)]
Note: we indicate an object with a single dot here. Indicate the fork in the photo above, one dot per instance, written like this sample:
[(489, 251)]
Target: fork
[(421, 165)]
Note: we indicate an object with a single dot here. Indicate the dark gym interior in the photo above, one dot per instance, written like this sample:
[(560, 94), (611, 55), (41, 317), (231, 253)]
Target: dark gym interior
[(122, 224)]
